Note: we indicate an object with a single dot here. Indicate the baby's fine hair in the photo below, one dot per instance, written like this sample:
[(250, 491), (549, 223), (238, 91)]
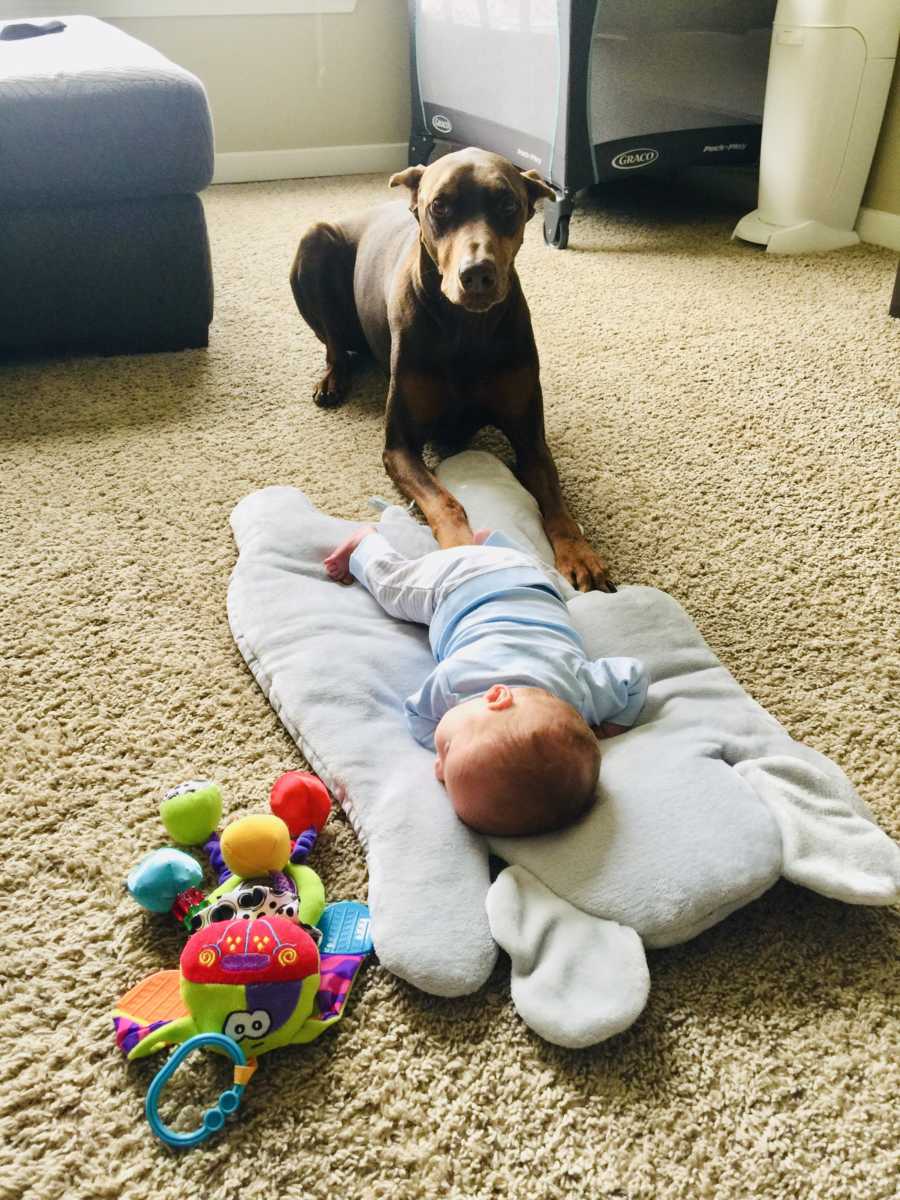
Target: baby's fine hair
[(539, 777)]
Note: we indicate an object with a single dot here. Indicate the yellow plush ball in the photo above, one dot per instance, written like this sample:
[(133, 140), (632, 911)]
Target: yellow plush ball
[(256, 846)]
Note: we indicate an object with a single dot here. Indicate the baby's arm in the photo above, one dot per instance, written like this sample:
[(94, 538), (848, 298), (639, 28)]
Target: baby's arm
[(607, 729), (618, 689), (424, 708)]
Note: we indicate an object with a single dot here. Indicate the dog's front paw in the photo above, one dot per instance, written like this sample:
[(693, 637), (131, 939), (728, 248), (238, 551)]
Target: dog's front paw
[(327, 395), (331, 390), (582, 566)]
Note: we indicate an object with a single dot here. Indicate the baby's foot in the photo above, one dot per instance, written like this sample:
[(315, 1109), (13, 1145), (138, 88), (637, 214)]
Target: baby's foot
[(337, 564), (480, 536)]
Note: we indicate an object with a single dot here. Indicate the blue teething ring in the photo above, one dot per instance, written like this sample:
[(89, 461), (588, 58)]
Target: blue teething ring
[(213, 1118)]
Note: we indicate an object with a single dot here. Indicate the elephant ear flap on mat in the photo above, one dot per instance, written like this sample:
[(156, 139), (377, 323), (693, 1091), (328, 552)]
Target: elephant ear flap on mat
[(829, 843), (576, 979)]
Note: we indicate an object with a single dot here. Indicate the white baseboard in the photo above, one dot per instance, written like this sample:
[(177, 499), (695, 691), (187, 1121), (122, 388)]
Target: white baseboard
[(254, 166), (880, 228)]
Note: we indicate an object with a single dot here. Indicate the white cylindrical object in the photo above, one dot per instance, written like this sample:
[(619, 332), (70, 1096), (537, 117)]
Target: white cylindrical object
[(830, 68), (876, 20)]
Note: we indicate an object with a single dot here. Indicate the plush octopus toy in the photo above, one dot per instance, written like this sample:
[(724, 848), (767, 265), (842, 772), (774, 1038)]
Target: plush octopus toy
[(267, 963)]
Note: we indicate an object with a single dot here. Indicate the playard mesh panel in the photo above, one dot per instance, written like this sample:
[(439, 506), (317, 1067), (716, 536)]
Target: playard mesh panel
[(669, 65), (495, 73)]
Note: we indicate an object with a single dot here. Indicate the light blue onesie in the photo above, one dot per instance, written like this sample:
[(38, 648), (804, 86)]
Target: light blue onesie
[(494, 616)]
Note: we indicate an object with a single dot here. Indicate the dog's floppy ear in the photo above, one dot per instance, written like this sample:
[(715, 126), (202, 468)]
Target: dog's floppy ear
[(537, 189), (409, 178)]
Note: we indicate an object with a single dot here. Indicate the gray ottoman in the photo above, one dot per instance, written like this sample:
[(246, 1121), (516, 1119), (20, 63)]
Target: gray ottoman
[(104, 145)]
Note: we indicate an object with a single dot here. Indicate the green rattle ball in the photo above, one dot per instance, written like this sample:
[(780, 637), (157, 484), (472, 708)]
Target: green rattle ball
[(192, 811)]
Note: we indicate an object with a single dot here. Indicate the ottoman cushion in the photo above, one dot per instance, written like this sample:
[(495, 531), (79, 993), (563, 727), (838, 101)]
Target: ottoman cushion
[(128, 277), (93, 114)]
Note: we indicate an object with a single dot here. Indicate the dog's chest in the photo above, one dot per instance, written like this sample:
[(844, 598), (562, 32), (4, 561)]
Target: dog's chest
[(468, 353)]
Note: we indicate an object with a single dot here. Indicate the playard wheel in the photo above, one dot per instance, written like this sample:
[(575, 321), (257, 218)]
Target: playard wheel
[(556, 233), (556, 222)]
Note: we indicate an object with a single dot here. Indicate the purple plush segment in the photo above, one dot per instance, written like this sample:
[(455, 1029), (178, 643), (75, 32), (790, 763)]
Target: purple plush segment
[(282, 883), (216, 861), (129, 1033), (340, 966), (336, 974), (278, 999), (304, 844)]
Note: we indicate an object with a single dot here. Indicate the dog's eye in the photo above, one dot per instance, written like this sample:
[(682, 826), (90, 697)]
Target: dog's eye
[(508, 204), (439, 208)]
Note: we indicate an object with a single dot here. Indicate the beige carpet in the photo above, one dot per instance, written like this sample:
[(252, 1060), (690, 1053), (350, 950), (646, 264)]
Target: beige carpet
[(726, 427)]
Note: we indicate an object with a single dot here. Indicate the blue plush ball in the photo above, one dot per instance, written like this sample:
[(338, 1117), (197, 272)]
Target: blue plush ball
[(161, 876)]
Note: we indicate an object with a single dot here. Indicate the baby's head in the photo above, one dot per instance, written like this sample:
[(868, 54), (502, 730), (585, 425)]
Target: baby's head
[(517, 761)]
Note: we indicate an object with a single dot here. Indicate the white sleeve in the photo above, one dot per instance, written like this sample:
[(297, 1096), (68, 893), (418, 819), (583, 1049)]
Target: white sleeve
[(617, 688), (372, 547)]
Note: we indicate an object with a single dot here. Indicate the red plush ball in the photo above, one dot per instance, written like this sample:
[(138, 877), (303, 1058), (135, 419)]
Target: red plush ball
[(301, 799)]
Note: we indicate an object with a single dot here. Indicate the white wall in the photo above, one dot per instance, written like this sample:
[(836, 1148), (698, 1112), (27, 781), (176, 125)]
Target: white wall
[(280, 86)]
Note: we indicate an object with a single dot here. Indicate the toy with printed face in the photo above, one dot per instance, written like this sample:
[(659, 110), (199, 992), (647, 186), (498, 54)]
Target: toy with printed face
[(267, 963), (256, 981)]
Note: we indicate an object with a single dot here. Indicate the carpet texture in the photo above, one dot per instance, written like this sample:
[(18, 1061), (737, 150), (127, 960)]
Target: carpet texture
[(726, 428)]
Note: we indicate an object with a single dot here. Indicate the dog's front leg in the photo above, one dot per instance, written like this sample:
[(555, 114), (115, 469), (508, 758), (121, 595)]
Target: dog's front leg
[(518, 409), (575, 557), (413, 398)]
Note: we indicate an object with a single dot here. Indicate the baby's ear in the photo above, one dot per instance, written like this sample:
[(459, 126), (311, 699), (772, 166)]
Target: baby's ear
[(409, 178)]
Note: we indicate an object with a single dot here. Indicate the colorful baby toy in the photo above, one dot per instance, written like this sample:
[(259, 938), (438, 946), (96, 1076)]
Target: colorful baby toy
[(267, 964)]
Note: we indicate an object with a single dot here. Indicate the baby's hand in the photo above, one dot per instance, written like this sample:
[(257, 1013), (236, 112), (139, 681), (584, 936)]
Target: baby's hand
[(608, 729), (480, 536)]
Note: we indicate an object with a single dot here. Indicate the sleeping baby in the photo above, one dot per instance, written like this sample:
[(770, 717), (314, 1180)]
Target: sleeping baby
[(514, 707)]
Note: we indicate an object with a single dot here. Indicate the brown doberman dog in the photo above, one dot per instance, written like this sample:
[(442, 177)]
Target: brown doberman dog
[(435, 297)]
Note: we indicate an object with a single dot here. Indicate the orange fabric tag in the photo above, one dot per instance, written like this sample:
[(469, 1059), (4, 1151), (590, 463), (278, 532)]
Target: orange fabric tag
[(245, 1074)]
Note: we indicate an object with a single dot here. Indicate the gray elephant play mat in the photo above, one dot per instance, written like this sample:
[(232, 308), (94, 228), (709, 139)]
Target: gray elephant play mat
[(701, 807)]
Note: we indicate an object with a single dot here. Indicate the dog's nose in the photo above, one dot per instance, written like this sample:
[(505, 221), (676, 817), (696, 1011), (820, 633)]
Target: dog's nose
[(478, 277)]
